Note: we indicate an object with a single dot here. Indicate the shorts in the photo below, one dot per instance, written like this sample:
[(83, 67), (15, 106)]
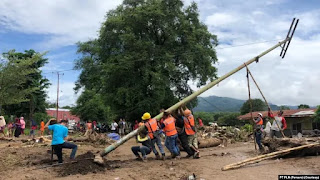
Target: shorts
[(193, 141)]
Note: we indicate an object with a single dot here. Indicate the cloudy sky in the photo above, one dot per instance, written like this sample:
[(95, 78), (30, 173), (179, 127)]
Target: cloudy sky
[(244, 30)]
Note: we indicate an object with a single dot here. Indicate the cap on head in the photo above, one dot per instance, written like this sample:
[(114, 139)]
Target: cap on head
[(187, 112), (146, 116), (260, 114)]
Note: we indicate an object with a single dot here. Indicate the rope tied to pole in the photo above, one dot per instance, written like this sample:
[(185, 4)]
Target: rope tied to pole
[(250, 102), (265, 100)]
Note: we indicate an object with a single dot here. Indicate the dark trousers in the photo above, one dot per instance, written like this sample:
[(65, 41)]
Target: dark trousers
[(183, 137), (258, 136), (58, 150), (143, 149), (275, 133)]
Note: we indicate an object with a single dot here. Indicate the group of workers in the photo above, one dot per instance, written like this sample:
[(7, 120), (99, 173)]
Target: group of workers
[(279, 125), (179, 128)]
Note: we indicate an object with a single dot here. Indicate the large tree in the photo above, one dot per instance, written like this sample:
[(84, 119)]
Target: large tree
[(146, 53), (14, 73), (90, 106), (35, 100), (317, 115), (257, 105)]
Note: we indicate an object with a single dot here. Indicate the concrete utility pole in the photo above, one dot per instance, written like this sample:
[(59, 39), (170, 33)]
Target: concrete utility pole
[(58, 74), (285, 43)]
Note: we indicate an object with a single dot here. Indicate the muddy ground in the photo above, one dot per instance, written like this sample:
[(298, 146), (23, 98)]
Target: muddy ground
[(18, 162)]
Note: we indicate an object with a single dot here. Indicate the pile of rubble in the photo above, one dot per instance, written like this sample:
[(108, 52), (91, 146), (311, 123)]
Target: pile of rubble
[(225, 134), (94, 138)]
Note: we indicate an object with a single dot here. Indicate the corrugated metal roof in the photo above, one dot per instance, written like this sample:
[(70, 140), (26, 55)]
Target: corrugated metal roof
[(54, 109), (286, 113)]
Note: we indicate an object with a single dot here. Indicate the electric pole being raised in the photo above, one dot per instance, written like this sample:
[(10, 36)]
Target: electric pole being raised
[(58, 74)]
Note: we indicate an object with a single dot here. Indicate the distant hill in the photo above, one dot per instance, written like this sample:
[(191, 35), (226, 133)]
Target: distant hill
[(222, 104)]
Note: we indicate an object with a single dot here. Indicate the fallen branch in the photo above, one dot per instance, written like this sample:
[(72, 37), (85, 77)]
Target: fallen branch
[(266, 156)]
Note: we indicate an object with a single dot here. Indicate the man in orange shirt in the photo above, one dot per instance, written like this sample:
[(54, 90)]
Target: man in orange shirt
[(41, 128), (189, 126), (258, 131), (170, 130)]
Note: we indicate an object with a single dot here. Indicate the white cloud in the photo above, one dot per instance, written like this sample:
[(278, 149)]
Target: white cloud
[(220, 19), (65, 22), (293, 80), (66, 93)]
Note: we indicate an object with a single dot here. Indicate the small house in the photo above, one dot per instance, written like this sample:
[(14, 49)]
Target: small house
[(298, 120)]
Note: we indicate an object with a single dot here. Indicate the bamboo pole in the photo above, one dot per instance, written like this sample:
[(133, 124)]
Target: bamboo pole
[(188, 99), (265, 100), (253, 122), (266, 156)]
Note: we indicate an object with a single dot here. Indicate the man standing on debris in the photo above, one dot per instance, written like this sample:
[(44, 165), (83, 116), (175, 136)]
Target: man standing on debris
[(60, 133), (258, 131), (153, 132), (170, 130), (189, 125), (278, 121)]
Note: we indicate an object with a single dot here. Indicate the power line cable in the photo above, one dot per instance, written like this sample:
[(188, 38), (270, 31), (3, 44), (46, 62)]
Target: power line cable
[(211, 104)]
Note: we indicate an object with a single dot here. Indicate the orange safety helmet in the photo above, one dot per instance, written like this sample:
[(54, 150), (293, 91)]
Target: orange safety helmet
[(187, 112)]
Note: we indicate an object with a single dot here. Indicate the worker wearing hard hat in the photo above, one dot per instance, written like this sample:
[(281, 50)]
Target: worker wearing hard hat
[(153, 132), (258, 131), (189, 125), (146, 147), (170, 130)]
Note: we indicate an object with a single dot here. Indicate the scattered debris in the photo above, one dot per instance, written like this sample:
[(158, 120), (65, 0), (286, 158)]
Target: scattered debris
[(270, 156)]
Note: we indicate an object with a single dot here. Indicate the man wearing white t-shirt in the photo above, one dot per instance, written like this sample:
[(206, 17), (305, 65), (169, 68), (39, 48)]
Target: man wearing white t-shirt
[(114, 126)]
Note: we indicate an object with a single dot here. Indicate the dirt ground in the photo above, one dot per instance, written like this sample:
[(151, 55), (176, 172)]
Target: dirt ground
[(18, 162)]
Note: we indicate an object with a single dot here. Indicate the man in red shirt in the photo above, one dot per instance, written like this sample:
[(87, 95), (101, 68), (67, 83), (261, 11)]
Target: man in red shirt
[(278, 121)]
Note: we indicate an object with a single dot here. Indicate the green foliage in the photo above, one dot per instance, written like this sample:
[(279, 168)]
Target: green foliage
[(303, 106), (257, 105), (284, 108), (229, 119), (146, 54), (222, 118), (30, 89), (247, 127), (40, 116), (91, 107), (205, 116), (317, 115), (51, 105), (66, 107)]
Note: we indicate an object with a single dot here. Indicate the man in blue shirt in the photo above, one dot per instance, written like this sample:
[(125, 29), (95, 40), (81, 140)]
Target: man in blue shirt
[(60, 133)]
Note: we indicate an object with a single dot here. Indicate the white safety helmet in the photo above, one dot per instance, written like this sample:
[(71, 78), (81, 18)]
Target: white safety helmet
[(260, 114)]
